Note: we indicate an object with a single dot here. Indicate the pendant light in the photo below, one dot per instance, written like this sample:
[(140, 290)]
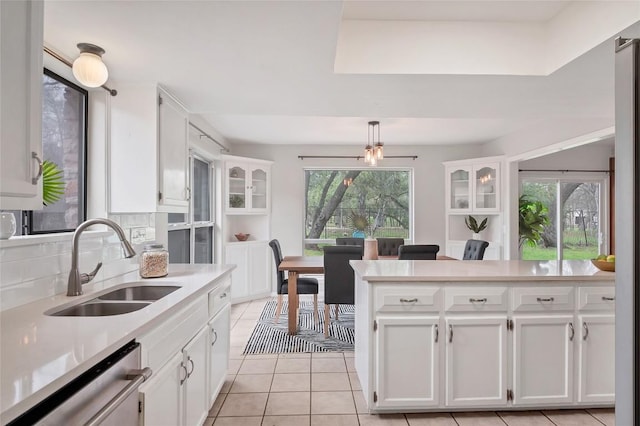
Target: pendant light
[(88, 68), (374, 150)]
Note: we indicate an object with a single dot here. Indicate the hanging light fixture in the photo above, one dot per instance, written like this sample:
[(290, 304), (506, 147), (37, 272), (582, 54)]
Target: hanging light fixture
[(88, 68), (374, 150)]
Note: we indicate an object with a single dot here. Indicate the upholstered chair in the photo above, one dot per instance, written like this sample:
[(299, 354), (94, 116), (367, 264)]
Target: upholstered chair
[(474, 249), (339, 279), (306, 285), (418, 252), (349, 241), (389, 246)]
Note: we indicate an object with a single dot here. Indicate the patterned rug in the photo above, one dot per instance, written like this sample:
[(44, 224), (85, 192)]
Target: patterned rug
[(271, 337)]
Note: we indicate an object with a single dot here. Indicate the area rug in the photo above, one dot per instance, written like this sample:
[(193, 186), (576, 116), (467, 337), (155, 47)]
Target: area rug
[(269, 336)]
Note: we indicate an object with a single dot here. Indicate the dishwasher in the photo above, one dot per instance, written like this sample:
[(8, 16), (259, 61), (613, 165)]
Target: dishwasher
[(103, 395)]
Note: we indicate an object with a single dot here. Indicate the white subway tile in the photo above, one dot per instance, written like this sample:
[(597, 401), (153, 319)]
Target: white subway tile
[(41, 267), (10, 273)]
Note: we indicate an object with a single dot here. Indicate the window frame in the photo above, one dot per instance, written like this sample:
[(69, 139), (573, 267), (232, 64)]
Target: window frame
[(26, 216), (411, 204), (190, 224), (558, 178)]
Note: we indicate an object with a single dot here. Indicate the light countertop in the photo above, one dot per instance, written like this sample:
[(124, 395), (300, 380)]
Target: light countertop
[(40, 353), (479, 270)]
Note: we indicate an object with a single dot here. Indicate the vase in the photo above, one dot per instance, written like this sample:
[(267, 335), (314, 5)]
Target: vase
[(476, 236), (358, 234), (7, 225)]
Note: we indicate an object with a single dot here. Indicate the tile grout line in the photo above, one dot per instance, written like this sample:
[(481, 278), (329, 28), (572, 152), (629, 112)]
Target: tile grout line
[(500, 417), (597, 419), (548, 418)]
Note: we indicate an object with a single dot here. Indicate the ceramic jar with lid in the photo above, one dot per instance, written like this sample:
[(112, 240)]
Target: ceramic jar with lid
[(154, 261)]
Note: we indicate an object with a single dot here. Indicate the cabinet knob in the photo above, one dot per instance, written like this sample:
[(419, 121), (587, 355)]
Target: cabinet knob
[(608, 299), (414, 300), (437, 333), (585, 327), (450, 333), (545, 299), (186, 374), (193, 367), (483, 300)]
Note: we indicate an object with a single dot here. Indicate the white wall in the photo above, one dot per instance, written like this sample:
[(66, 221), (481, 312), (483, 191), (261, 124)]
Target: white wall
[(288, 184), (593, 156)]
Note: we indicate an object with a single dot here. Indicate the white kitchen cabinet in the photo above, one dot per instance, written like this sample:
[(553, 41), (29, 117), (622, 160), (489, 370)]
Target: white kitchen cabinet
[(21, 32), (247, 186), (407, 378), (162, 396), (148, 152), (251, 278), (543, 359), (476, 361), (218, 352), (195, 359), (473, 188), (596, 358)]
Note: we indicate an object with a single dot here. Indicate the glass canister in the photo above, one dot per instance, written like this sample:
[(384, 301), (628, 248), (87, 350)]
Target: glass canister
[(154, 261)]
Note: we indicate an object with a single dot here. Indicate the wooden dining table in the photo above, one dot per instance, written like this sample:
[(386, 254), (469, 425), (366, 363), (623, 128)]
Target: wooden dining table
[(296, 265)]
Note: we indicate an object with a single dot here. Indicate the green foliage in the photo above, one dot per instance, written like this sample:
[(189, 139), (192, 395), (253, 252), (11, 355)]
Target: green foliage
[(472, 224), (533, 217), (53, 184)]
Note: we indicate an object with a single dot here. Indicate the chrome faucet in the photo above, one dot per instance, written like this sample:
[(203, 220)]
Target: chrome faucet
[(76, 279)]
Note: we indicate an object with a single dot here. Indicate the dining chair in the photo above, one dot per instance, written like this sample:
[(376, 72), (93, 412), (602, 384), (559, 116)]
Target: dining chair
[(474, 249), (350, 241), (418, 252), (339, 279), (306, 285), (389, 246)]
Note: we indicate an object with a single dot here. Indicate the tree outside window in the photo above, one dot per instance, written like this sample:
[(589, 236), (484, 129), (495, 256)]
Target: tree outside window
[(337, 200)]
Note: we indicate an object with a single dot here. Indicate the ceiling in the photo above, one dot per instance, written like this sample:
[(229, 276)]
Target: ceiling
[(265, 71)]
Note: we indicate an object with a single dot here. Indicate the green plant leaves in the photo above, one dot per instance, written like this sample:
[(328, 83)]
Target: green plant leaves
[(53, 184), (533, 218), (472, 224)]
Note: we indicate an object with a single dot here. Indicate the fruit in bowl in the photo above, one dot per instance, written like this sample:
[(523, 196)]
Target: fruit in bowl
[(605, 262), (242, 237)]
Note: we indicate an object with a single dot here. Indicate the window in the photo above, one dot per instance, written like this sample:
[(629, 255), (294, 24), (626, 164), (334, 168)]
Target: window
[(191, 236), (575, 233), (344, 203), (64, 136)]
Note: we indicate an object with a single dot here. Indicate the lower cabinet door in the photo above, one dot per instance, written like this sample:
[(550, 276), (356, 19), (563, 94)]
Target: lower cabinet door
[(476, 356), (239, 255), (162, 395), (218, 352), (407, 361), (195, 359), (260, 260), (597, 358), (543, 359)]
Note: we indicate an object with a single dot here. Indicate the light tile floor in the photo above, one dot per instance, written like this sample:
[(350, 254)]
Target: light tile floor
[(322, 389)]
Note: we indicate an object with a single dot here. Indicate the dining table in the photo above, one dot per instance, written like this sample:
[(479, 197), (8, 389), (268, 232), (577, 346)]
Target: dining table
[(297, 265)]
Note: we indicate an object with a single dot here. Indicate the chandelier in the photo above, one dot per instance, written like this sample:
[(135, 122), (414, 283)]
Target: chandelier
[(374, 150)]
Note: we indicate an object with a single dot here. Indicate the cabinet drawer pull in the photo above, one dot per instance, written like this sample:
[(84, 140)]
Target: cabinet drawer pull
[(483, 300), (193, 367), (214, 337), (608, 299), (450, 333), (34, 155), (545, 299), (586, 331), (223, 295), (186, 374), (414, 300), (437, 333), (573, 332)]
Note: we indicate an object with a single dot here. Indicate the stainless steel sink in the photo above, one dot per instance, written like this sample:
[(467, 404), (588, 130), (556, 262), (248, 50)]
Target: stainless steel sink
[(99, 309), (147, 293)]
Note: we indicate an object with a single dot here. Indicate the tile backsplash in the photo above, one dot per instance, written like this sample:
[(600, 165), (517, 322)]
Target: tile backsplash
[(33, 268)]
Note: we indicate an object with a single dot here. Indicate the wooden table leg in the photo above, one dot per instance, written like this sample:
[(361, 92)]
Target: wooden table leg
[(293, 302)]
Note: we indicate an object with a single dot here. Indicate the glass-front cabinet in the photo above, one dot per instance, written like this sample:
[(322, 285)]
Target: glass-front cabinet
[(247, 188), (473, 188)]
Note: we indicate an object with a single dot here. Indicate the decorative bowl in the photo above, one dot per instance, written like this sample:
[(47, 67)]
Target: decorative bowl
[(603, 265), (242, 237)]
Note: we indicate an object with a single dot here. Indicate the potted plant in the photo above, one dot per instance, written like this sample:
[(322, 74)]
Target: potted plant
[(532, 219), (53, 185), (475, 227), (360, 223)]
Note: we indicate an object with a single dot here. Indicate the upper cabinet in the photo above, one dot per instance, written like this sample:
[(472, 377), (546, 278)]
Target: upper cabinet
[(473, 186), (247, 188), (21, 28), (148, 152)]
